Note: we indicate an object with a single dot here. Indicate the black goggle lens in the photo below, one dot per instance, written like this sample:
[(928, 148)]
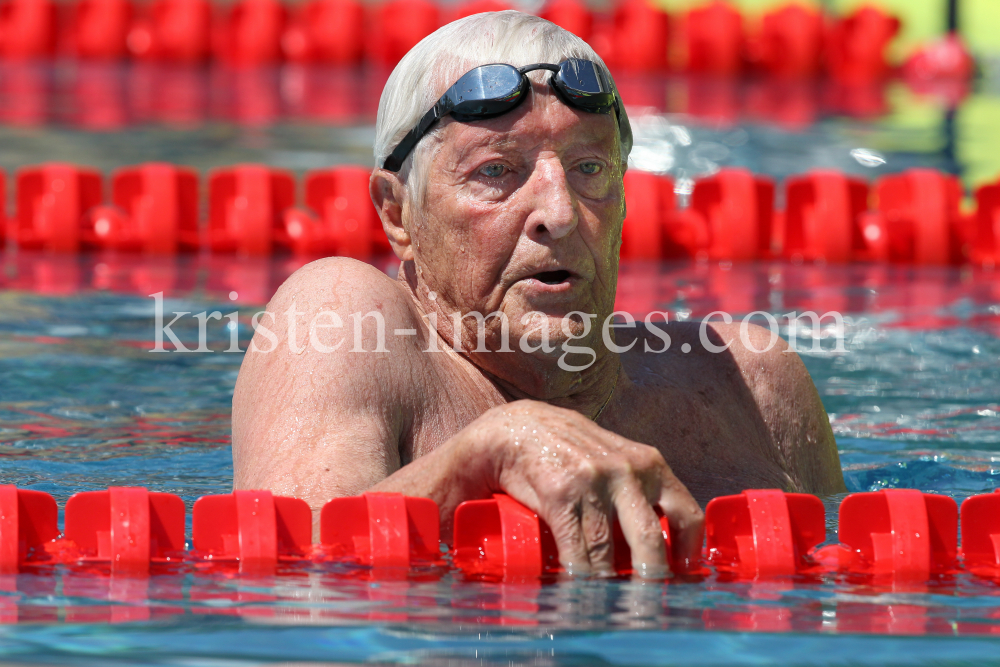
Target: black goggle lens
[(583, 83), (486, 91)]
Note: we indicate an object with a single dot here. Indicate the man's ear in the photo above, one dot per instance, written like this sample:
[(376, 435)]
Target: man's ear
[(388, 193)]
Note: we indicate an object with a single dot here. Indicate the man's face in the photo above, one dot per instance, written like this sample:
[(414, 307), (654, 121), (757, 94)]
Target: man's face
[(521, 213)]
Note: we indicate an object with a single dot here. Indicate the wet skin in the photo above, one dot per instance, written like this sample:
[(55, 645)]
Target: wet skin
[(519, 214)]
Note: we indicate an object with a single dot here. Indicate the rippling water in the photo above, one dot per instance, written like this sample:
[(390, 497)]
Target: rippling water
[(914, 399)]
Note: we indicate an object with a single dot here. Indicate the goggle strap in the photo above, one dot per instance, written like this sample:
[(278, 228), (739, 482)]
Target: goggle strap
[(395, 160)]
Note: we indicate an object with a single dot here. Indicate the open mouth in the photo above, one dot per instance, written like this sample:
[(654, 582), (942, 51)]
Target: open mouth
[(552, 277)]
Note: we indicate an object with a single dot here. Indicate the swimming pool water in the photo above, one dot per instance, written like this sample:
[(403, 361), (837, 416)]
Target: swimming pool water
[(914, 401)]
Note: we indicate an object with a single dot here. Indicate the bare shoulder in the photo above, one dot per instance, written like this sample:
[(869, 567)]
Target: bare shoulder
[(317, 385), (344, 285), (782, 390)]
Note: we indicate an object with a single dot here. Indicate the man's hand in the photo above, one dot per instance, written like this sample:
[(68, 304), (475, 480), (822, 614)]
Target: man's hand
[(578, 477)]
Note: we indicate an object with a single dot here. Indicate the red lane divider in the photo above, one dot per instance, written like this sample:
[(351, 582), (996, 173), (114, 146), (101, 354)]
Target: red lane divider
[(100, 29), (28, 521), (345, 222), (790, 42), (51, 201), (650, 203), (738, 209), (246, 203), (28, 28), (856, 45), (986, 249), (981, 534), (764, 533), (822, 217), (714, 40), (918, 218), (253, 529), (155, 211), (900, 532), (500, 538), (172, 30), (909, 218), (128, 528), (381, 530), (633, 35)]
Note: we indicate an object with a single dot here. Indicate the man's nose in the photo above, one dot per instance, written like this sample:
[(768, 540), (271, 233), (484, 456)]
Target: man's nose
[(553, 205)]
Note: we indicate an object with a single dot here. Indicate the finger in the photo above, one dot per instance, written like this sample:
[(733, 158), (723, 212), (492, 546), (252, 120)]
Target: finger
[(686, 520), (567, 531), (641, 528), (596, 519)]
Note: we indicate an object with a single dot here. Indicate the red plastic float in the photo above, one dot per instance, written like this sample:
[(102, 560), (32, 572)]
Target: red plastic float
[(173, 31), (381, 530), (637, 38), (571, 15), (856, 45), (129, 528), (713, 40), (822, 219), (326, 31), (650, 202), (789, 44), (255, 529), (155, 211), (28, 521), (27, 29), (981, 534), (737, 207), (900, 532), (764, 533), (347, 222), (500, 538), (100, 28), (986, 239), (246, 204), (397, 27), (51, 201), (251, 32), (918, 218)]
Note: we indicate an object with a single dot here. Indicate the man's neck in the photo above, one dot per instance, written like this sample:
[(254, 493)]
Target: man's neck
[(519, 375)]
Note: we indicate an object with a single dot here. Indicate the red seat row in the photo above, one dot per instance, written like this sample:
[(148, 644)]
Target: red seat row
[(792, 41), (901, 534), (912, 217)]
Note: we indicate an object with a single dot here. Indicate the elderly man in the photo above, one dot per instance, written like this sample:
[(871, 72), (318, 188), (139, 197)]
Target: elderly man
[(484, 365)]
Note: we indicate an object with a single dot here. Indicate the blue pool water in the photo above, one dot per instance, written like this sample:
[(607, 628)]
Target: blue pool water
[(914, 401)]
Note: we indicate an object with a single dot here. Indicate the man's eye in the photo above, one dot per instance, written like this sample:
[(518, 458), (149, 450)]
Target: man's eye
[(590, 168), (493, 170)]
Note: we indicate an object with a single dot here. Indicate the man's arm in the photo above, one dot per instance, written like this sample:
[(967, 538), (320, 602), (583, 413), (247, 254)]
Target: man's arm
[(311, 417)]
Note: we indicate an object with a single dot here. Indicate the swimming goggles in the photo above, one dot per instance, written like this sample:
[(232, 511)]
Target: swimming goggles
[(492, 90)]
